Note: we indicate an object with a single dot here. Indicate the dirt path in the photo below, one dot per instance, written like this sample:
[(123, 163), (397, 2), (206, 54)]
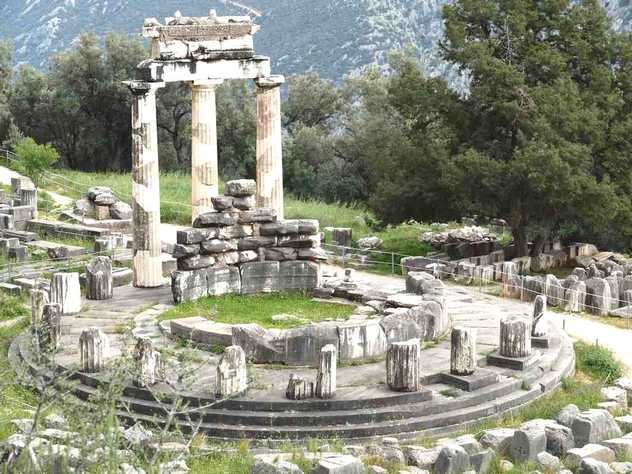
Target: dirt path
[(619, 341)]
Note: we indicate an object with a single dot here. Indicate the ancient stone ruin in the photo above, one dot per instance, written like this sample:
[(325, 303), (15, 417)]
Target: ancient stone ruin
[(100, 206), (203, 51), (240, 248)]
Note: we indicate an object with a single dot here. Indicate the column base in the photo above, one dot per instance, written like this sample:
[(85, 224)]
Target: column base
[(147, 270)]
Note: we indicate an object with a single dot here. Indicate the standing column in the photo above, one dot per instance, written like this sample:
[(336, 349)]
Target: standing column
[(204, 169), (146, 186), (269, 144)]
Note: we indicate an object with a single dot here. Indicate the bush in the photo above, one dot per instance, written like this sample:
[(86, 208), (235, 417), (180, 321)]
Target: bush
[(34, 159), (598, 362)]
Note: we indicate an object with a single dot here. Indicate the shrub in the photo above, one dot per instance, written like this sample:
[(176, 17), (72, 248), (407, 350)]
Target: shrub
[(35, 159), (598, 362)]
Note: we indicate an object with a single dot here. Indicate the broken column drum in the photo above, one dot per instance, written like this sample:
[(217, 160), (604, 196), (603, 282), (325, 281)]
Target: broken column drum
[(402, 366), (463, 351), (202, 51), (65, 290), (515, 337), (93, 350), (231, 376), (326, 377), (148, 363), (49, 331), (28, 197), (99, 279), (38, 299), (539, 308)]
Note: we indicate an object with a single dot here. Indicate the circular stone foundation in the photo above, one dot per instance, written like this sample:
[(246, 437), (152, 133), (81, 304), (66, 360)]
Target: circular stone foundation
[(363, 406)]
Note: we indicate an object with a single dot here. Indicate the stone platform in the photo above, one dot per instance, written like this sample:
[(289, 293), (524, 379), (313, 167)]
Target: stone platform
[(363, 408)]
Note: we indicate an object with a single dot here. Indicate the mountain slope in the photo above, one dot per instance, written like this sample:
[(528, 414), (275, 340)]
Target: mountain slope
[(333, 37)]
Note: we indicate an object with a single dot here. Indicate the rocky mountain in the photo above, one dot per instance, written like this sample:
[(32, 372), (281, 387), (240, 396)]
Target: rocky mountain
[(333, 37)]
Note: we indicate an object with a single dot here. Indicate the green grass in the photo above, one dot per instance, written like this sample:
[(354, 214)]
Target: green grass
[(12, 307), (238, 309), (15, 399), (598, 362), (175, 194)]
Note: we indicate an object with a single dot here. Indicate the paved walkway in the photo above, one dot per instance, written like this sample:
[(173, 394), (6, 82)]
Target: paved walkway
[(619, 341)]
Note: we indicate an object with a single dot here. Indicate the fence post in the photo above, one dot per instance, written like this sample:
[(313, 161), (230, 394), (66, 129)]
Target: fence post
[(343, 255), (392, 263)]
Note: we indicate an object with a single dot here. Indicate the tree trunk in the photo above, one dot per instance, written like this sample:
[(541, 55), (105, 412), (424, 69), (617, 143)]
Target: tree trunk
[(520, 240), (538, 246)]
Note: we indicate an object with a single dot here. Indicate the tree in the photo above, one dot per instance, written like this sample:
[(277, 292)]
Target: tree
[(541, 84), (82, 105), (35, 159), (6, 74)]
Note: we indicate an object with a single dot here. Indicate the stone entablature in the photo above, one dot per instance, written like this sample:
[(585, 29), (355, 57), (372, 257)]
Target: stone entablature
[(201, 38)]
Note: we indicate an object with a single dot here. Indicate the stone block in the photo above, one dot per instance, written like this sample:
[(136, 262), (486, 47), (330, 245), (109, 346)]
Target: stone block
[(402, 366), (99, 282), (102, 213), (575, 456), (280, 254), (598, 297), (361, 340), (223, 280), (452, 459), (339, 464), (298, 388), (299, 241), (621, 446), (121, 211), (235, 231), (326, 376), (93, 350), (255, 243), (342, 236), (209, 247), (18, 254), (625, 423), (527, 443), (279, 228), (469, 383), (257, 343), (592, 466), (244, 203), (594, 426), (403, 326), (259, 215), (482, 461), (463, 351), (240, 187), (222, 203), (567, 415), (260, 277), (271, 466), (421, 457), (298, 275), (302, 345), (215, 219), (194, 236), (185, 251), (195, 262), (231, 377), (66, 291), (615, 394), (6, 221), (189, 285)]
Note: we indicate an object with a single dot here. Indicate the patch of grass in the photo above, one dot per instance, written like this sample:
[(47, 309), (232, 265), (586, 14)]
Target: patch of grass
[(237, 463), (391, 467), (240, 309), (15, 400), (598, 362), (12, 307)]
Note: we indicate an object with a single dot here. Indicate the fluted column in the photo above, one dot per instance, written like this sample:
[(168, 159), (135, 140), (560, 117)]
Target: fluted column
[(204, 169), (146, 186), (269, 144)]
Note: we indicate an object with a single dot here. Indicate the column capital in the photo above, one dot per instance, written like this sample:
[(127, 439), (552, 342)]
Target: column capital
[(269, 82), (143, 87)]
